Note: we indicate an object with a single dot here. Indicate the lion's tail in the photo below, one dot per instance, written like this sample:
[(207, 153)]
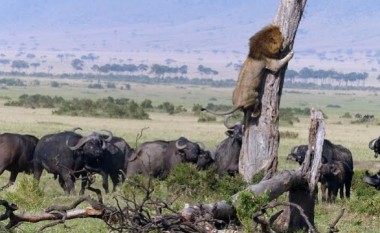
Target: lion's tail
[(234, 109)]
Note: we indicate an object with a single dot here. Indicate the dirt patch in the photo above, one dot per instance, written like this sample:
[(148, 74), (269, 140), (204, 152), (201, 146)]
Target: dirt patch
[(368, 165)]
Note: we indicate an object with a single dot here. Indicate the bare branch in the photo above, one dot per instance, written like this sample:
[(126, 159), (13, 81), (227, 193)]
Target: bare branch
[(332, 226)]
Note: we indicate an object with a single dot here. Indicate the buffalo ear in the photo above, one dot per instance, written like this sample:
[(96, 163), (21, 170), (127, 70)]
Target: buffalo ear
[(335, 170), (229, 133)]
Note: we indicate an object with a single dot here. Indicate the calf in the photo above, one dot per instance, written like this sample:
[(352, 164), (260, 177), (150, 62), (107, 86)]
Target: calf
[(333, 178)]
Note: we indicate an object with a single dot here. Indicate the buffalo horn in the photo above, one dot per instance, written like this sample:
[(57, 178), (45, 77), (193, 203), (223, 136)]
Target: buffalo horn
[(201, 145), (110, 135), (81, 142), (226, 118), (179, 147), (371, 144), (75, 129)]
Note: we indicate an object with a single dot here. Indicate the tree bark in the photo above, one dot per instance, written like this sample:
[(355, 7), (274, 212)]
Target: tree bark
[(261, 140)]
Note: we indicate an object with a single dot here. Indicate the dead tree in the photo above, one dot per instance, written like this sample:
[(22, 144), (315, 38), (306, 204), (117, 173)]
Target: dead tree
[(261, 139), (300, 184)]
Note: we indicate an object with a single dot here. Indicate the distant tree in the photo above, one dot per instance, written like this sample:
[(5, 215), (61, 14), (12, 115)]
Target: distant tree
[(147, 103), (77, 64), (50, 68), (5, 61), (378, 77), (206, 70), (54, 84), (35, 65), (19, 64), (90, 56), (30, 56), (61, 56), (111, 85), (143, 67)]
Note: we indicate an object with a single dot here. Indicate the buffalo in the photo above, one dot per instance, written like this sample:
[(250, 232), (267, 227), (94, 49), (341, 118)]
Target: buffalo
[(374, 145), (373, 180), (334, 177), (158, 158), (336, 161), (16, 154), (66, 154), (116, 153), (228, 151)]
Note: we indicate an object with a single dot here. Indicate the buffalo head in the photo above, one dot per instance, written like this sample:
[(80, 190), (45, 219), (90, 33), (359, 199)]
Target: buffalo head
[(234, 131), (374, 145), (298, 153), (372, 180), (204, 160), (92, 145), (188, 150)]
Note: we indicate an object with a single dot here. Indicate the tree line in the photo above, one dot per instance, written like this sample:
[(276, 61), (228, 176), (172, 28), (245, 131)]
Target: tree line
[(326, 77)]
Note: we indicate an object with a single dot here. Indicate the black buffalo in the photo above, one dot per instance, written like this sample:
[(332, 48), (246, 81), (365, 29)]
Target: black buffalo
[(373, 180), (228, 151), (65, 154), (158, 158), (331, 154), (334, 178), (374, 145), (226, 155), (116, 154), (16, 154)]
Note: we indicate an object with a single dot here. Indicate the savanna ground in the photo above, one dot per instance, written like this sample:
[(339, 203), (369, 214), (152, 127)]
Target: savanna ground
[(39, 122)]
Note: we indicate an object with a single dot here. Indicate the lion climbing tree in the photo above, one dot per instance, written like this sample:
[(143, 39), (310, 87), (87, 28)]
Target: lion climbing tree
[(261, 140)]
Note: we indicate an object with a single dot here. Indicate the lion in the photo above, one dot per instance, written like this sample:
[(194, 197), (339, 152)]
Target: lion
[(263, 56)]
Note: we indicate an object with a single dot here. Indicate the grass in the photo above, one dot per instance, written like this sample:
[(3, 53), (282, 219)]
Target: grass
[(164, 126)]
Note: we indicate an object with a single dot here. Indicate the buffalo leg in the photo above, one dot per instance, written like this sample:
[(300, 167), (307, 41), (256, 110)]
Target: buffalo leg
[(323, 191), (348, 185), (68, 183), (11, 181), (105, 181), (83, 184), (37, 171), (115, 180)]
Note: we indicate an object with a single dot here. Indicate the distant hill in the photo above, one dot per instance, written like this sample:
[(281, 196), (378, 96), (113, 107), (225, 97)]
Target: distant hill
[(339, 34)]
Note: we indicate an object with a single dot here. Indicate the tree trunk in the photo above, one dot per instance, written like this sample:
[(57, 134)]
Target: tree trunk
[(261, 139)]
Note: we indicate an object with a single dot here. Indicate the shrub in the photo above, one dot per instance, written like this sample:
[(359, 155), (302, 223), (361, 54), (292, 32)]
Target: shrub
[(196, 109), (54, 84), (346, 115), (147, 103), (27, 193), (206, 118), (368, 198), (247, 204)]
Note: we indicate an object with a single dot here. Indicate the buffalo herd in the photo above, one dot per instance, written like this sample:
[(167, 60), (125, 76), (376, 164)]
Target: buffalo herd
[(69, 156)]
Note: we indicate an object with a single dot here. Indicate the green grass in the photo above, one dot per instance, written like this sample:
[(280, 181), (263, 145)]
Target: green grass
[(168, 127)]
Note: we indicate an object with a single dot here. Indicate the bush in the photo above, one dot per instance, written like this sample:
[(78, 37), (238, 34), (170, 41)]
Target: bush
[(27, 193), (54, 84), (95, 86), (247, 204), (187, 180), (368, 198), (203, 117), (346, 115)]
